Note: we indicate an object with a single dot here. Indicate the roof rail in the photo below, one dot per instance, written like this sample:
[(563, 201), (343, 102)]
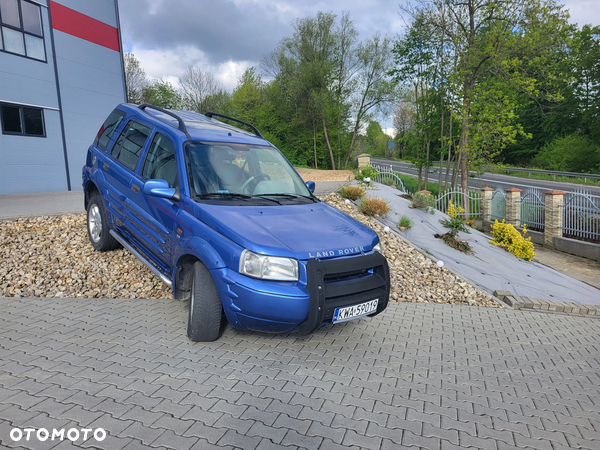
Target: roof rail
[(212, 114), (181, 126)]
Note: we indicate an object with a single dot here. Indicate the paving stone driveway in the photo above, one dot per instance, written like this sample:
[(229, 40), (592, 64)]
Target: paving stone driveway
[(431, 376)]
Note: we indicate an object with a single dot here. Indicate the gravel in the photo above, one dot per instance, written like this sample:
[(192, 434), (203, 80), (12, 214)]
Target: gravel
[(51, 256)]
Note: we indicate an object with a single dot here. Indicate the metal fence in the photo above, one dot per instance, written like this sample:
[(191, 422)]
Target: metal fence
[(386, 175), (533, 209), (498, 206), (457, 197), (581, 216)]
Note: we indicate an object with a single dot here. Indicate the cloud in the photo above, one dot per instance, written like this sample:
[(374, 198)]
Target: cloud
[(223, 30), (228, 36), (583, 11)]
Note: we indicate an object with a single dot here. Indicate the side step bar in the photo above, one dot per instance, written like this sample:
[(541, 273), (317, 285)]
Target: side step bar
[(139, 256)]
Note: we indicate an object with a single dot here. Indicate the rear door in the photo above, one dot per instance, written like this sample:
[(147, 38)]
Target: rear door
[(99, 155), (119, 171)]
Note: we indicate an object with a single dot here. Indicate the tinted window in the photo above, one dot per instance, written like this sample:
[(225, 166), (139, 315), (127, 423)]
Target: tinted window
[(22, 120), (130, 144), (21, 32), (9, 11), (160, 162), (108, 129), (34, 124), (32, 22), (11, 119)]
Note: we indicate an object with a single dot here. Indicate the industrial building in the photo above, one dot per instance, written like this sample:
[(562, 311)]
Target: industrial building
[(61, 74)]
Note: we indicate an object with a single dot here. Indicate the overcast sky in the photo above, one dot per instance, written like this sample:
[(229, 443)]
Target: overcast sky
[(228, 36)]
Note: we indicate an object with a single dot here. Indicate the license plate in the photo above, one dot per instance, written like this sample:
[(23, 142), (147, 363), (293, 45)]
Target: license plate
[(352, 312)]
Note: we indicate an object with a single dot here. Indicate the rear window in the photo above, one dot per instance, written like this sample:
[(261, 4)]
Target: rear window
[(130, 144), (108, 129)]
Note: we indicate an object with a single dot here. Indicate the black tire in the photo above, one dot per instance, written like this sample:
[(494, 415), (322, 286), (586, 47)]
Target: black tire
[(97, 226), (204, 321)]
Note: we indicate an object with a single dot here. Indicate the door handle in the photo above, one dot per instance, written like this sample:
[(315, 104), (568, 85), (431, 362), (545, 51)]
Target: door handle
[(105, 166), (135, 188)]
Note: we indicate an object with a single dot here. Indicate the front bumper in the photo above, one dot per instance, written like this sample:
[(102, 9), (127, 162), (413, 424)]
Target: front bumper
[(284, 307)]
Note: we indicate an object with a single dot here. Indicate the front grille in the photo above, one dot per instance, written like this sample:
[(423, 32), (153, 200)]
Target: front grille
[(341, 282)]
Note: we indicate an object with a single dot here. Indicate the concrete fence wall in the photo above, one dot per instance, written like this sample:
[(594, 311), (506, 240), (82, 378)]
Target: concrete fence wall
[(552, 236)]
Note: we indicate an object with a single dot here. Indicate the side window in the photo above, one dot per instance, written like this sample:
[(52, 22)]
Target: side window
[(131, 141), (108, 129), (160, 162)]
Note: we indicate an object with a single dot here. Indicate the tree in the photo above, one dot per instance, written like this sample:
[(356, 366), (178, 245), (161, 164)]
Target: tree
[(197, 86), (306, 61), (135, 78), (502, 49), (162, 94), (375, 89)]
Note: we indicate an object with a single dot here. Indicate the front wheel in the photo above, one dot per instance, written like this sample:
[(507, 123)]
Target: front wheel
[(97, 226), (204, 321)]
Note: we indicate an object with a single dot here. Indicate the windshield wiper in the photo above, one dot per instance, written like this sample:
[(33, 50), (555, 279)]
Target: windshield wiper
[(223, 194), (284, 195)]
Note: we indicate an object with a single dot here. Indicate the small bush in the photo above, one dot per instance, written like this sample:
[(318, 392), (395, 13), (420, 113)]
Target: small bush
[(352, 192), (456, 221), (374, 206), (405, 222), (508, 237), (366, 172), (423, 201)]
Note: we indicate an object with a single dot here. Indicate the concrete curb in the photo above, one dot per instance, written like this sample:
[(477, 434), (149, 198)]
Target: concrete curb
[(549, 306)]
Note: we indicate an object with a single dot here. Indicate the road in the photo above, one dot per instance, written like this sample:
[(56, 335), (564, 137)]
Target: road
[(491, 180)]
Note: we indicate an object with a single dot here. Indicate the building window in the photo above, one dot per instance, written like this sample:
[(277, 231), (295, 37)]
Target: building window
[(22, 120), (21, 29)]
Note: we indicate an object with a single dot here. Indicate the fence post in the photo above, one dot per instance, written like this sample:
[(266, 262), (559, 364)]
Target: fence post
[(486, 204), (553, 216), (364, 160), (513, 207)]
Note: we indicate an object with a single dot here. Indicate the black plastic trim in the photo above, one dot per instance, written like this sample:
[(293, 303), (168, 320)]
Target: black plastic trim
[(325, 297), (212, 114)]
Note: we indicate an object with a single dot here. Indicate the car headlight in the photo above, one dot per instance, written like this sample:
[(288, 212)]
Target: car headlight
[(378, 248), (268, 267)]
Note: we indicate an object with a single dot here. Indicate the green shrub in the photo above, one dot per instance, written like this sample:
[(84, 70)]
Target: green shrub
[(508, 237), (352, 192), (405, 222), (421, 200), (374, 206), (366, 172), (456, 221), (573, 153)]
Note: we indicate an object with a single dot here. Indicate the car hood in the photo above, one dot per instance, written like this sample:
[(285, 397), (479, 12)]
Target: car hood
[(306, 231)]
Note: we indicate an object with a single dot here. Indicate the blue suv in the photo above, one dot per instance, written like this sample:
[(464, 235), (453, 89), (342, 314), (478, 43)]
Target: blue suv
[(221, 216)]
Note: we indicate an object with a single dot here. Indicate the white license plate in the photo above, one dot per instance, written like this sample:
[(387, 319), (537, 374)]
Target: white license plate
[(352, 312)]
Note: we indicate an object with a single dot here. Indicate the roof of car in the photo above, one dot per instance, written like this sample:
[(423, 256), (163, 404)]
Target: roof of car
[(200, 126)]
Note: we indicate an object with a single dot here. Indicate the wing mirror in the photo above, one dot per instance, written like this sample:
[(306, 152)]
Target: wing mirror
[(161, 189), (311, 186)]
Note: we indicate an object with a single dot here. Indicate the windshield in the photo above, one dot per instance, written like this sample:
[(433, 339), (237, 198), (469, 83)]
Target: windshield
[(241, 169)]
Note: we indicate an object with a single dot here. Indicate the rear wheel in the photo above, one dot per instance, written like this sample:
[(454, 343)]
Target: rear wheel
[(204, 321), (97, 226)]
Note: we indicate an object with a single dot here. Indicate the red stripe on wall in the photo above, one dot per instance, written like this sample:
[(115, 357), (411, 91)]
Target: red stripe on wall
[(84, 27)]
